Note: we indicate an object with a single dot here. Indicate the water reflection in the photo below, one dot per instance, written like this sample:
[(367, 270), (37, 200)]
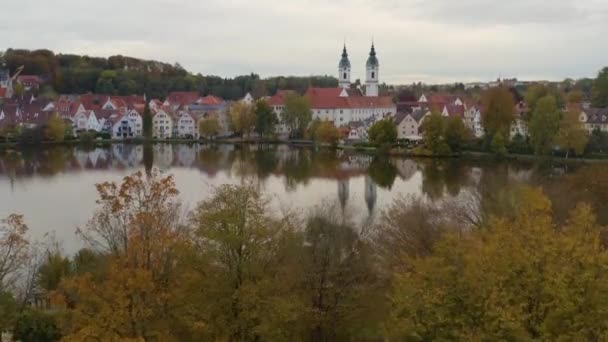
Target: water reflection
[(297, 177)]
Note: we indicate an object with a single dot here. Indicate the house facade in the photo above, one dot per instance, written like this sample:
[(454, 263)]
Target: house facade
[(186, 125), (162, 124)]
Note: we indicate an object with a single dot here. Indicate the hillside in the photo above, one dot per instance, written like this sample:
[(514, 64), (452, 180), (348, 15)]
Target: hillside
[(122, 75)]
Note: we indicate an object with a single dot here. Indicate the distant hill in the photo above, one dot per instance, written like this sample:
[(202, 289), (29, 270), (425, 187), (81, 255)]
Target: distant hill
[(122, 75)]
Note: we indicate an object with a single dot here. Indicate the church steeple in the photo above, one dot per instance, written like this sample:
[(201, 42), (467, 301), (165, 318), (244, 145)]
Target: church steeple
[(344, 70), (372, 70)]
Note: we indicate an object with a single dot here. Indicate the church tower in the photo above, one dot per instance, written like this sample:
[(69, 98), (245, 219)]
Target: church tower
[(344, 70), (373, 69)]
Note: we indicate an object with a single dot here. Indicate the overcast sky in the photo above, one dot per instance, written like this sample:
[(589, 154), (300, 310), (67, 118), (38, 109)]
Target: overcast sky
[(416, 40)]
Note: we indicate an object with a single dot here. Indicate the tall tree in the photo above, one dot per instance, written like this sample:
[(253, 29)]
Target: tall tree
[(499, 111), (147, 122), (14, 249), (456, 133), (209, 127), (326, 132), (265, 118), (297, 114), (600, 89), (572, 135), (534, 93), (544, 124), (433, 128)]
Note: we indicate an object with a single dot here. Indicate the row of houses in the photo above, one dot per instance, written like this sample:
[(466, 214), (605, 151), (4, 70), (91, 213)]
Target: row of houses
[(119, 116)]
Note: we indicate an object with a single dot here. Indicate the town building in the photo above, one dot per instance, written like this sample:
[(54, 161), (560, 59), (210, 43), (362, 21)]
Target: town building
[(162, 124)]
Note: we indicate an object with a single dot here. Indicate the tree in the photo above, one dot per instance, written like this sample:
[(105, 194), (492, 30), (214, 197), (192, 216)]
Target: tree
[(147, 122), (383, 132), (54, 268), (499, 111), (36, 326), (297, 114), (600, 89), (520, 278), (455, 133), (572, 135), (238, 252), (209, 127), (534, 93), (19, 89), (433, 128), (498, 145), (137, 228), (56, 128), (575, 96), (544, 124), (14, 249), (265, 118), (242, 118), (327, 133)]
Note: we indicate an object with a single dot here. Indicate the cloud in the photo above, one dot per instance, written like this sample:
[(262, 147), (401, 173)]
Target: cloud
[(424, 40)]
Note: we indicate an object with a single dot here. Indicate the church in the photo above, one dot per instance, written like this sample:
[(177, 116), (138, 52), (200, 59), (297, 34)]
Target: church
[(346, 103)]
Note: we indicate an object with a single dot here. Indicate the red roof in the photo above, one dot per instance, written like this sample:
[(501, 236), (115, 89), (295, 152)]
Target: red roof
[(28, 79), (183, 97), (279, 98), (330, 98), (455, 110), (210, 100), (93, 101), (3, 92)]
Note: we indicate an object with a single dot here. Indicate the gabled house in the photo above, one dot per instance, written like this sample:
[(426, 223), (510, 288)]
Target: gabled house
[(162, 124), (594, 118), (408, 124), (86, 121), (186, 125), (472, 119), (123, 127)]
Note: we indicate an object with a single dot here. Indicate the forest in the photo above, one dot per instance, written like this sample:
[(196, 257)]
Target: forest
[(121, 75), (495, 265)]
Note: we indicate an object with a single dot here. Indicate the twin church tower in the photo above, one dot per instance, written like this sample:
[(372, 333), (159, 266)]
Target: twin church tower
[(371, 77)]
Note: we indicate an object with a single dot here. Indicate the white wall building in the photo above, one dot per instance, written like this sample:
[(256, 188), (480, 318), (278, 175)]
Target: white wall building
[(162, 124)]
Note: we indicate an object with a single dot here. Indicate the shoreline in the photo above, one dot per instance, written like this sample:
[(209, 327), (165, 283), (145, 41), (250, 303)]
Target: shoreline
[(394, 152)]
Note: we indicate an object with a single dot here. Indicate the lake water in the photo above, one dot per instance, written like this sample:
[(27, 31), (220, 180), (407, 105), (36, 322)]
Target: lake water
[(53, 187)]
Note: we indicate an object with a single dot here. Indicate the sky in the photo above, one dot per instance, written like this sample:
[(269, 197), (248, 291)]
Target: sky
[(430, 41)]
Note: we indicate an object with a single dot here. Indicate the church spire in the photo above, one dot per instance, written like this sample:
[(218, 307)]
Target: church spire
[(344, 69)]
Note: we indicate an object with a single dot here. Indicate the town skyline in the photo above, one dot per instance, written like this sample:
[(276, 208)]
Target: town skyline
[(430, 43)]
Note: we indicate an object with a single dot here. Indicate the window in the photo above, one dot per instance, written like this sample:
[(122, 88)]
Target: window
[(344, 76), (373, 75)]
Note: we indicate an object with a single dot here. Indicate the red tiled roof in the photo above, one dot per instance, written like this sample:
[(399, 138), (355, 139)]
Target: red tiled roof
[(455, 110), (210, 100), (93, 101), (279, 98), (330, 98), (183, 97)]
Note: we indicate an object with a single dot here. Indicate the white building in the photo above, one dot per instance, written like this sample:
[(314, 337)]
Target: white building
[(86, 121), (162, 124), (186, 125)]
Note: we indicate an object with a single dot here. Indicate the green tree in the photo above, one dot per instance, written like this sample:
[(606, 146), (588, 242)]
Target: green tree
[(297, 114), (54, 268), (147, 122), (36, 326), (208, 127), (56, 128), (575, 96), (600, 89), (433, 128), (534, 93), (327, 133), (456, 133), (544, 124), (499, 111), (498, 145), (383, 132), (265, 118), (572, 135)]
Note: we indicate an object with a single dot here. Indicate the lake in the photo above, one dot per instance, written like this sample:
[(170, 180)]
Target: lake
[(53, 186)]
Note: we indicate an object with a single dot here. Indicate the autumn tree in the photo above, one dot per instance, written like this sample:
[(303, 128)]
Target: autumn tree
[(137, 228), (572, 135), (242, 118), (544, 124), (327, 133), (297, 114), (534, 93), (498, 145), (537, 269), (265, 118), (383, 132), (14, 249), (55, 129), (600, 89), (499, 111), (208, 127), (575, 96)]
